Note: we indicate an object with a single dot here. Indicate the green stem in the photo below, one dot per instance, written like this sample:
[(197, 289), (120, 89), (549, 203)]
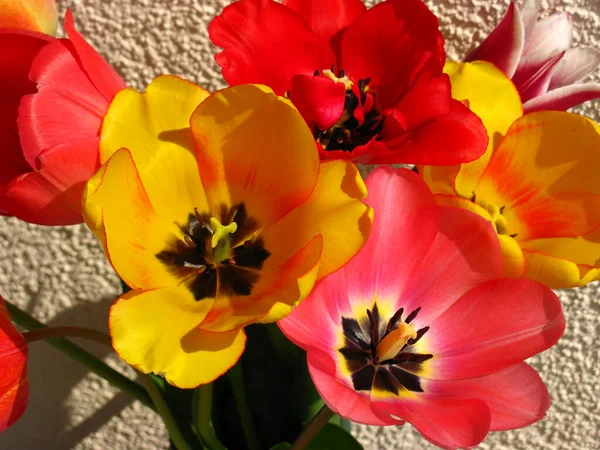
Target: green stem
[(236, 379), (83, 357), (53, 332), (203, 401), (313, 428), (165, 412)]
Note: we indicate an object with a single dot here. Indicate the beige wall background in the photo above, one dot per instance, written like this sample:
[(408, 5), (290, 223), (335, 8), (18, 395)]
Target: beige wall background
[(60, 275)]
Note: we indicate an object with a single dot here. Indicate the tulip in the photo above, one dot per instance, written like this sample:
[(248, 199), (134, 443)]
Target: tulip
[(14, 386), (54, 93), (538, 57), (537, 183), (33, 15), (419, 326), (216, 212), (368, 83)]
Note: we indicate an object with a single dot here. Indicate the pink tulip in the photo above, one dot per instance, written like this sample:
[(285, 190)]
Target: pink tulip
[(538, 57), (419, 327), (32, 15)]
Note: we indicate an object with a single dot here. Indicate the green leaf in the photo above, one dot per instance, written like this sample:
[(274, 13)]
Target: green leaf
[(334, 437)]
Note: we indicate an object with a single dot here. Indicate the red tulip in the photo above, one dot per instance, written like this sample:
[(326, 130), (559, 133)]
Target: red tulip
[(54, 94), (14, 387), (419, 327), (369, 83)]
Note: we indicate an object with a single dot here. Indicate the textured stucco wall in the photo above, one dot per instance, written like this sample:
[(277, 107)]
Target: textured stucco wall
[(60, 275)]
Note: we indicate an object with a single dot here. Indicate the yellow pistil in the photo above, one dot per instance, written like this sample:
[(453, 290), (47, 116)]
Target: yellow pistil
[(345, 80), (220, 239), (395, 340)]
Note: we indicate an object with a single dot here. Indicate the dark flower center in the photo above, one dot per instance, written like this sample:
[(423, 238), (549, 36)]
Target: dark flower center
[(219, 255), (360, 121), (385, 358)]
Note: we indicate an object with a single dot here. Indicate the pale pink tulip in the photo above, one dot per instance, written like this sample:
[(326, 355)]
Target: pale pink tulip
[(538, 57)]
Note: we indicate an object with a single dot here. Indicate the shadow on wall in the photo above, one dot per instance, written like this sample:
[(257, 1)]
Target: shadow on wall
[(60, 420)]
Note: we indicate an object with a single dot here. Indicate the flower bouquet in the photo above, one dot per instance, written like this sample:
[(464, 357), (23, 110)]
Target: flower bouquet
[(354, 230)]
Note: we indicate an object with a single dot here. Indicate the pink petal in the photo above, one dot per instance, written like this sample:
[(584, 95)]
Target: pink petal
[(319, 99), (465, 254), (563, 98), (450, 424), (516, 396), (550, 36), (574, 66), (406, 222), (340, 398), (504, 45), (495, 325), (106, 80), (327, 17), (529, 15), (533, 76), (67, 106), (322, 310)]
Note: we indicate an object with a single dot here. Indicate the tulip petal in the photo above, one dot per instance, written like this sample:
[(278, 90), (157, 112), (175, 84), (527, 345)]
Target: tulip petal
[(516, 396), (335, 211), (564, 97), (104, 78), (254, 147), (157, 331), (250, 31), (320, 100), (550, 270), (529, 14), (493, 97), (464, 254), (154, 126), (327, 17), (39, 15), (14, 385), (521, 317), (575, 65), (534, 74), (118, 210), (342, 399), (560, 196), (550, 35), (504, 45), (65, 93), (449, 424), (391, 44), (513, 263), (401, 201)]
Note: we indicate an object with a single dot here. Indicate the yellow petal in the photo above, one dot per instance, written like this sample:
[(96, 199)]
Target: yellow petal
[(458, 202), (118, 211), (335, 211), (493, 97), (254, 147), (513, 264), (545, 174), (157, 331), (154, 126), (556, 273), (440, 179)]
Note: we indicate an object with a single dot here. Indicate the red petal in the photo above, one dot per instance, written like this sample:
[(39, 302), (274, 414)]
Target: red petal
[(504, 46), (405, 225), (516, 396), (449, 424), (391, 44), (52, 196), (106, 80), (340, 398), (18, 48), (445, 140), (465, 254), (327, 17), (265, 42), (320, 100), (67, 106), (497, 324), (14, 386)]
